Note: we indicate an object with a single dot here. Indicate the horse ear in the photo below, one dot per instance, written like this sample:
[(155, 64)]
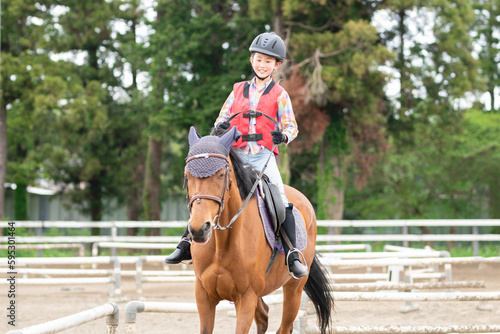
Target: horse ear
[(193, 137), (228, 139)]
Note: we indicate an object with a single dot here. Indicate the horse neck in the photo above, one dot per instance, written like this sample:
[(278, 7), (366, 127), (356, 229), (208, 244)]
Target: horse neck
[(232, 205)]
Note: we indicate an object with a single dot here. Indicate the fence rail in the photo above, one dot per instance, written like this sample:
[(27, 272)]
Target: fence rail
[(109, 310), (326, 223), (405, 237)]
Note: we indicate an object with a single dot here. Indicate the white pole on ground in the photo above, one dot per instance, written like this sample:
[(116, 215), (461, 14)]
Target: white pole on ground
[(421, 296), (410, 329), (109, 310)]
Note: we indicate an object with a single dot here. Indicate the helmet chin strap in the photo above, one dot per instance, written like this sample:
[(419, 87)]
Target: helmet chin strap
[(255, 73)]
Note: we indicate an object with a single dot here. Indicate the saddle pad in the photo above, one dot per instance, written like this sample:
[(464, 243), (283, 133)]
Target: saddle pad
[(300, 229)]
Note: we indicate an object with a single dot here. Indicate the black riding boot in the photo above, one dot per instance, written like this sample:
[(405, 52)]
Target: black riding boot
[(182, 252), (295, 267)]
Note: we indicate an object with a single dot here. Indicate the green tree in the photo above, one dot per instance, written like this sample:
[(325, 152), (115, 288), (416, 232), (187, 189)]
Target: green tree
[(337, 51), (24, 68), (198, 50), (481, 150), (88, 154), (133, 120), (435, 73)]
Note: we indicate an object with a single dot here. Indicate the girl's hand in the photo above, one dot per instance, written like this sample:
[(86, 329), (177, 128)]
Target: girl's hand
[(278, 137)]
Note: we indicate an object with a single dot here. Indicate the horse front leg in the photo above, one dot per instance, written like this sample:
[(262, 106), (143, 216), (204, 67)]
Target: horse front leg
[(206, 309), (245, 310)]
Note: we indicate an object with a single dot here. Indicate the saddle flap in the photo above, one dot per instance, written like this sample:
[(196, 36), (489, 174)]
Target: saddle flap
[(300, 227), (274, 203)]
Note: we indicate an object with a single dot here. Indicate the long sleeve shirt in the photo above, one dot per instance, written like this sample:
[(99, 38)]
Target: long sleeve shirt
[(285, 116)]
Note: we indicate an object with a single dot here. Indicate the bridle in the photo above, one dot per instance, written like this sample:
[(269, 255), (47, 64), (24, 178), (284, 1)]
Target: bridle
[(221, 199), (227, 183)]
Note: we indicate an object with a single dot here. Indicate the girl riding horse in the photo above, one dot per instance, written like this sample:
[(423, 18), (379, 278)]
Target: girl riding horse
[(259, 108), (230, 251)]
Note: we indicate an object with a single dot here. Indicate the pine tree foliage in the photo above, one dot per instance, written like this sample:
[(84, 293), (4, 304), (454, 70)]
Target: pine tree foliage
[(87, 87)]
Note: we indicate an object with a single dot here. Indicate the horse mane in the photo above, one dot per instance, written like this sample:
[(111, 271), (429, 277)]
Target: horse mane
[(245, 174)]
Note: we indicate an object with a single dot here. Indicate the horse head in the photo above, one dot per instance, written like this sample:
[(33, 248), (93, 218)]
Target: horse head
[(207, 176)]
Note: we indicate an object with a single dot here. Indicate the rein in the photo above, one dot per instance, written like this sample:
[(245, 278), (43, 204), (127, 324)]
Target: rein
[(250, 194)]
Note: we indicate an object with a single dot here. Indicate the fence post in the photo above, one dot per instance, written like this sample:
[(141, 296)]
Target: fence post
[(138, 277), (39, 232), (112, 320), (117, 292), (475, 244), (114, 233), (405, 229), (131, 310)]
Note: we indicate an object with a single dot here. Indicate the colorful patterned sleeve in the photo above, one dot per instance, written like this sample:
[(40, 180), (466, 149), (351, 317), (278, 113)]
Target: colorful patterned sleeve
[(286, 117), (225, 111)]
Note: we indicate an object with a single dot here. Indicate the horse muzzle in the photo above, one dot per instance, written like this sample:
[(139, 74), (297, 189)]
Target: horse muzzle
[(201, 235)]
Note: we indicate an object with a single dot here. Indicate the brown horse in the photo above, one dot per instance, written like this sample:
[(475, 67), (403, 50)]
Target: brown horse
[(231, 263)]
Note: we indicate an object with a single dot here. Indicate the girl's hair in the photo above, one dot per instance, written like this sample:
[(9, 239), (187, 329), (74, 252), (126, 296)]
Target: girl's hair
[(278, 60)]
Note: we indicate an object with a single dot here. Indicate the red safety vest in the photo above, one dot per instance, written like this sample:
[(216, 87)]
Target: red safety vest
[(266, 114)]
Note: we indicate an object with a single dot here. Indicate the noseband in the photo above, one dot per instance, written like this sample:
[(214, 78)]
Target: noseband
[(221, 199)]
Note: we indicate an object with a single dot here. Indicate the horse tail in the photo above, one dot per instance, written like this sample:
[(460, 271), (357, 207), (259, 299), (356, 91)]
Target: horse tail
[(317, 289)]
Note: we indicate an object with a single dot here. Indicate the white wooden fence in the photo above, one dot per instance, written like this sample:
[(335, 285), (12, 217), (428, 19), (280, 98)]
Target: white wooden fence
[(474, 237), (83, 317)]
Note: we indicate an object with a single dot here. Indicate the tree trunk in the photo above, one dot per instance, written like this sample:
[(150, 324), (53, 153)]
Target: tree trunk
[(491, 41), (330, 186), (152, 183), (494, 198), (427, 230), (134, 203), (451, 244), (494, 202), (283, 161), (3, 157), (21, 201), (403, 75), (278, 18), (95, 203)]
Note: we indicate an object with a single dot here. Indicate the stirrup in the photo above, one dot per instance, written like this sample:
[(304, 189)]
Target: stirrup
[(290, 252)]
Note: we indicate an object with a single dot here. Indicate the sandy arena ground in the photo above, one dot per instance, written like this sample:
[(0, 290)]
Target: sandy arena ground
[(37, 304)]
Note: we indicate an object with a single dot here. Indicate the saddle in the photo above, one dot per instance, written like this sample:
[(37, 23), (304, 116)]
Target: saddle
[(272, 213), (271, 195)]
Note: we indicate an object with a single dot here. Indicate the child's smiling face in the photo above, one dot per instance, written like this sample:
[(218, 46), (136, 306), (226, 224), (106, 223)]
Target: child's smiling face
[(263, 65)]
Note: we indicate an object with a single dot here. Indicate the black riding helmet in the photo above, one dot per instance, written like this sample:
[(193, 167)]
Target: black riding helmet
[(270, 44)]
